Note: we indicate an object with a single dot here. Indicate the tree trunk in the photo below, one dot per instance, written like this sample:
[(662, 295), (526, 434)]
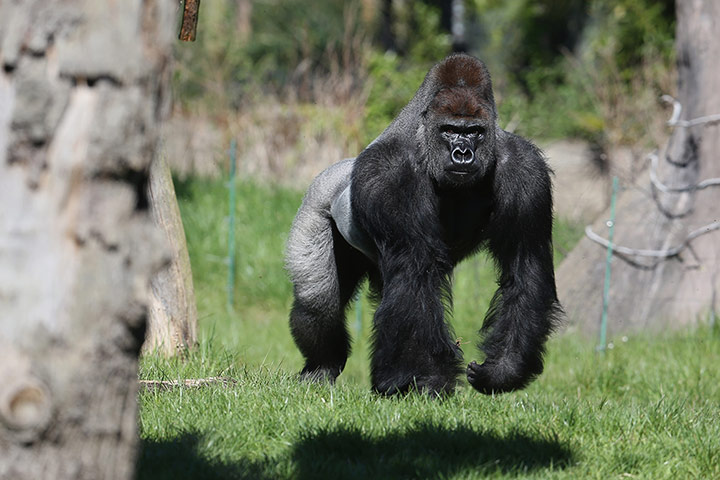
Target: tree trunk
[(387, 26), (172, 324), (83, 87), (243, 20), (682, 289)]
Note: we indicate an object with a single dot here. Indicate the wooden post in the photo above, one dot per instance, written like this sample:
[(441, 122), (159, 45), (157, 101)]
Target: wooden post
[(172, 324)]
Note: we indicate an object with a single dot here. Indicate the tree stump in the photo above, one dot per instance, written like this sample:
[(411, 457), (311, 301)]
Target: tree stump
[(172, 324)]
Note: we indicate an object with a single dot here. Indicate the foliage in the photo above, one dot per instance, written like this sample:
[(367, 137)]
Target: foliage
[(287, 47), (626, 63), (394, 78), (631, 31), (392, 85), (567, 68), (572, 68)]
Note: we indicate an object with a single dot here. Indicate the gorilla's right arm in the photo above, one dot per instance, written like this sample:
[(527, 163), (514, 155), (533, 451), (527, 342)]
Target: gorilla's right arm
[(398, 211)]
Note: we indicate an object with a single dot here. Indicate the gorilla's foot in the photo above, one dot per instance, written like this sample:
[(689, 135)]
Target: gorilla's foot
[(432, 374), (320, 374), (433, 385), (500, 377)]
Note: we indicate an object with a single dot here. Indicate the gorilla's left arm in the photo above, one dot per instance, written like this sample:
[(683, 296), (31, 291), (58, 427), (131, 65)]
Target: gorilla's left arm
[(524, 308)]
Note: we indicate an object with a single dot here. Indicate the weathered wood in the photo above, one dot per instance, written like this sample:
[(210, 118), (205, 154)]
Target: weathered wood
[(172, 323), (188, 29), (676, 291), (83, 88)]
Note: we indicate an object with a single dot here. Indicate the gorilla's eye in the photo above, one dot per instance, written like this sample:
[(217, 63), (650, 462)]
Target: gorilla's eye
[(465, 131), (478, 131)]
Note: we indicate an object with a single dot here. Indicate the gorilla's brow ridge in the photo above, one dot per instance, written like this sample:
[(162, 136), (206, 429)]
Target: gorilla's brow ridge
[(460, 102)]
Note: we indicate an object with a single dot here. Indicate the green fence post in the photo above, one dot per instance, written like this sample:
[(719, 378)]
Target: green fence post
[(606, 290), (231, 228)]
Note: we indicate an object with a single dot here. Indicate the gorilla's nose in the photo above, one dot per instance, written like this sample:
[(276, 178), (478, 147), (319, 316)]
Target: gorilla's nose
[(462, 155)]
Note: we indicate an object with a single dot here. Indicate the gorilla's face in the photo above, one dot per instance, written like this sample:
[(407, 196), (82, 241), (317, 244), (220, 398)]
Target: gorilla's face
[(459, 133), (466, 155), (459, 150)]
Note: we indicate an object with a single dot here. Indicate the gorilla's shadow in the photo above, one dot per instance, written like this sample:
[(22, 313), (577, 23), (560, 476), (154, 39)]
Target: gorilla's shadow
[(423, 452)]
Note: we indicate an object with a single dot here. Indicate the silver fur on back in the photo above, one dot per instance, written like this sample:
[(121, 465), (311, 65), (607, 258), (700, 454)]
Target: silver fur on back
[(309, 256)]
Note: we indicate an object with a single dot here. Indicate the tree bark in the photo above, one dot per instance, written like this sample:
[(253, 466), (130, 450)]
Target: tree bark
[(83, 88), (172, 323), (678, 290)]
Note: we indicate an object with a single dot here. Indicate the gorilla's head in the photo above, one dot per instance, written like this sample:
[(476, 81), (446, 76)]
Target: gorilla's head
[(457, 131)]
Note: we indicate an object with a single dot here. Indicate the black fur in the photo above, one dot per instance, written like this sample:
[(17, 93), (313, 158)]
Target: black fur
[(442, 181)]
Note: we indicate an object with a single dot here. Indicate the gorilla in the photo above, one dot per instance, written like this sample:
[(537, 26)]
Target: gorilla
[(441, 182)]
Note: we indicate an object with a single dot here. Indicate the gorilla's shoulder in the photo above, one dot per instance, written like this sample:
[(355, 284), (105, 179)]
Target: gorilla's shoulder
[(387, 151), (519, 153)]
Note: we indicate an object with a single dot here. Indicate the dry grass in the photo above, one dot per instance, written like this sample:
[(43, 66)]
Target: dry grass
[(631, 111), (290, 143)]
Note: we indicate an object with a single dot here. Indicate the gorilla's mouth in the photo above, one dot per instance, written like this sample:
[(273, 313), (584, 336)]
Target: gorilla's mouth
[(460, 171)]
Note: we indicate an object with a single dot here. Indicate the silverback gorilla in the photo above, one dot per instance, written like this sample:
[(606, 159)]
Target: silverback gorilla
[(442, 181)]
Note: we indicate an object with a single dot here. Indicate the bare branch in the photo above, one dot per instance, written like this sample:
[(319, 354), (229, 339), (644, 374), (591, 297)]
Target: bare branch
[(670, 252), (677, 110), (628, 253), (710, 182)]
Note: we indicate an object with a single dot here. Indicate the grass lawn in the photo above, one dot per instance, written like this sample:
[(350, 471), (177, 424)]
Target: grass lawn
[(648, 408)]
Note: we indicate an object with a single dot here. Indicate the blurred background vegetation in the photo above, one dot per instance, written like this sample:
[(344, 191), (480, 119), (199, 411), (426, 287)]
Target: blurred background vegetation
[(302, 84)]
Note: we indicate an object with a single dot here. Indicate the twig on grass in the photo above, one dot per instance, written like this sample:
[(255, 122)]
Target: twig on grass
[(155, 385)]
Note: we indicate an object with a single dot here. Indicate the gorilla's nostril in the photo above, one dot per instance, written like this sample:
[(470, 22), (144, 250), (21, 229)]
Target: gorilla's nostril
[(462, 155)]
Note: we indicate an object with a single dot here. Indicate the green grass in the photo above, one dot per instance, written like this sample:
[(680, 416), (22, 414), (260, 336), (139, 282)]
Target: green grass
[(648, 408)]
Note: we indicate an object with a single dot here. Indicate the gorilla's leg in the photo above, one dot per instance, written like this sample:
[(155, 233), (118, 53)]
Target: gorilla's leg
[(317, 319), (397, 208), (413, 346)]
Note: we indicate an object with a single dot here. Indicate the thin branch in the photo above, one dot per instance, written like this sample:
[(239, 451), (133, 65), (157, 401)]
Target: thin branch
[(628, 254), (677, 110), (670, 252), (710, 182)]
